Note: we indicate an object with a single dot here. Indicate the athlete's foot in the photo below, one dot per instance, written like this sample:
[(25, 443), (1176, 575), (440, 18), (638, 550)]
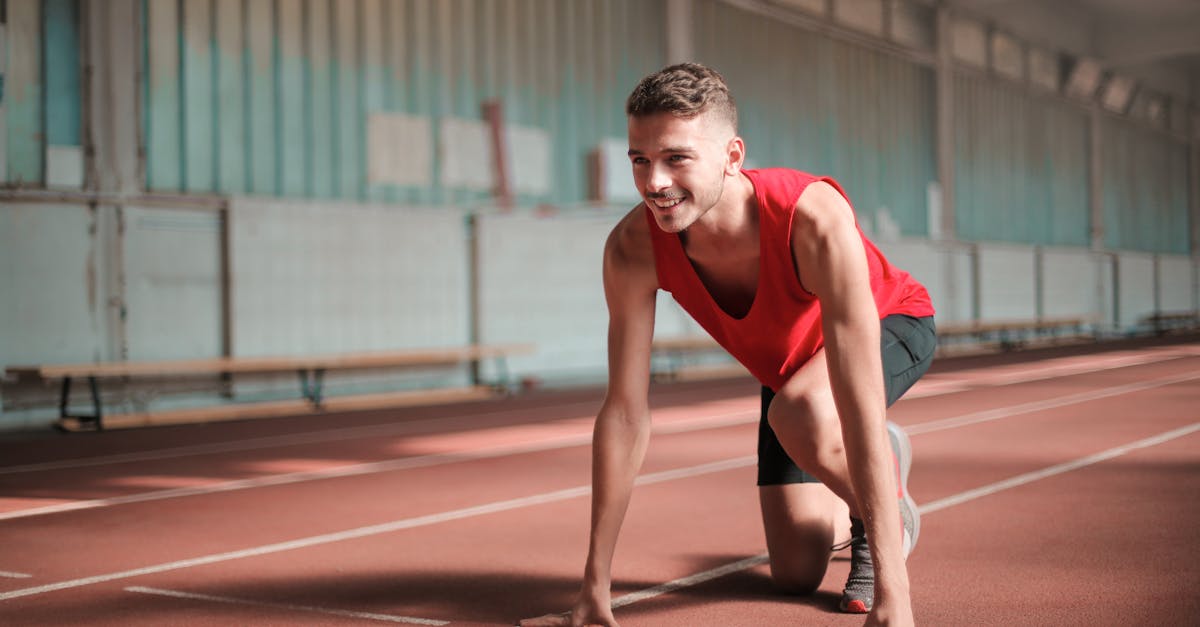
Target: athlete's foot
[(902, 450), (859, 594)]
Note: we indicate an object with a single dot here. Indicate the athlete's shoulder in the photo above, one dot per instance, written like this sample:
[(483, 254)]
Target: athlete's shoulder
[(821, 207), (780, 188), (629, 245)]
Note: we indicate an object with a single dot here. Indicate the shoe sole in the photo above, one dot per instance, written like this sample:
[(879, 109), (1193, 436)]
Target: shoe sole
[(903, 448)]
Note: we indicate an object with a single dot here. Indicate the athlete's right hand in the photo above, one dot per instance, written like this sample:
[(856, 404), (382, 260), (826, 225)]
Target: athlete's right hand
[(588, 612)]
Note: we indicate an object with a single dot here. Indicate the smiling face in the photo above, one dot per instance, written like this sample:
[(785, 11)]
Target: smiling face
[(680, 164)]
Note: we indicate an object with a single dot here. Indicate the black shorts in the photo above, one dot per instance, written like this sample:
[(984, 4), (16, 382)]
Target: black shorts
[(907, 346)]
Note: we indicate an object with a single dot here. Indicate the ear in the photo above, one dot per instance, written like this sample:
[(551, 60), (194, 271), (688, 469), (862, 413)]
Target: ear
[(735, 153)]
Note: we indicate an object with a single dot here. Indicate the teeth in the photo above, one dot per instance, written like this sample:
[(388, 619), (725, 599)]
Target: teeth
[(668, 203)]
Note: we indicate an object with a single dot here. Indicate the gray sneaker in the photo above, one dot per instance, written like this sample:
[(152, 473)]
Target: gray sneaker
[(902, 450), (859, 593)]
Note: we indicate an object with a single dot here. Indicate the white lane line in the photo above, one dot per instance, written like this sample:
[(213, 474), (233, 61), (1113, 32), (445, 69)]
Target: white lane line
[(579, 439), (311, 437), (287, 606), (12, 575), (422, 461), (1051, 403), (373, 530), (928, 508), (955, 381), (1050, 369), (1058, 469), (691, 580)]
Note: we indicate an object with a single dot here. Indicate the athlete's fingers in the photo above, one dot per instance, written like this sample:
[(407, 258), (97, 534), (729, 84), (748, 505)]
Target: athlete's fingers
[(549, 620)]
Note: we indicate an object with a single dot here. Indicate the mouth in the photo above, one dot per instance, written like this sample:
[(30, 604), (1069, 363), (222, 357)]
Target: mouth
[(666, 203)]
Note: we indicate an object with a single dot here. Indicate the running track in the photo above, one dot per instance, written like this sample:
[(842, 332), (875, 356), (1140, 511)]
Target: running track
[(1060, 490)]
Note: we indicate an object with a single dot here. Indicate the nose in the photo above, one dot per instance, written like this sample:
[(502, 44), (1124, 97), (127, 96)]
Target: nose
[(657, 180)]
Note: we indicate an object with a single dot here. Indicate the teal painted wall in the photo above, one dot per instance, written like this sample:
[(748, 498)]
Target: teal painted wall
[(273, 98), (1021, 165), (23, 94), (63, 111), (814, 103), (1145, 187)]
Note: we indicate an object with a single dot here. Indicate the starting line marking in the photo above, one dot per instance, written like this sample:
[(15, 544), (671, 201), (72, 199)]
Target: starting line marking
[(287, 606)]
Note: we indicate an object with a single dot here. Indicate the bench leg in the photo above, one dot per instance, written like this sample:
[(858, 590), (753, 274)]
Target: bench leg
[(96, 419), (312, 388)]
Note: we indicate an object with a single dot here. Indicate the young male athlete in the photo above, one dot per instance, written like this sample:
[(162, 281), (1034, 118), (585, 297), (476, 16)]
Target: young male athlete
[(773, 265)]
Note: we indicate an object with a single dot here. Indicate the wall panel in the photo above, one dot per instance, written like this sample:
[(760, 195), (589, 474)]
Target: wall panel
[(861, 116), (1071, 284), (172, 276), (273, 97), (1135, 288), (52, 309), (1021, 166), (1145, 189), (1007, 283)]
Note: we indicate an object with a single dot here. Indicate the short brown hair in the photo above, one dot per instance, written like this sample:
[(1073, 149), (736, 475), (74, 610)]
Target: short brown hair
[(685, 90)]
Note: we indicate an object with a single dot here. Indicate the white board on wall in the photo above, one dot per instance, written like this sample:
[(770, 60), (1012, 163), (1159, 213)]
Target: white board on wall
[(529, 152), (617, 183), (399, 149), (466, 154)]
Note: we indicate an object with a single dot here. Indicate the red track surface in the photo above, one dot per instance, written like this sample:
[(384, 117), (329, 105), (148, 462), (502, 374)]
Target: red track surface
[(1061, 490)]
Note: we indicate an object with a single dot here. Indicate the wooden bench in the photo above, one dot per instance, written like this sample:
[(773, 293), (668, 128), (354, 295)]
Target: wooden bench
[(310, 369), (1013, 334), (1163, 322), (676, 351)]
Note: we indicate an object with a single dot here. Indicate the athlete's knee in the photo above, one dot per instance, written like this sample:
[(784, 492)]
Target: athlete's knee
[(801, 522), (807, 426), (797, 573)]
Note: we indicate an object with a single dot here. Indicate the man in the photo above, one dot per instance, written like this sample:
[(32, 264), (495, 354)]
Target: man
[(773, 265)]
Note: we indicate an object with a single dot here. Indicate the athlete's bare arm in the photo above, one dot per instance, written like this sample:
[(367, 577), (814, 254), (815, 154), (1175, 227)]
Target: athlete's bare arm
[(832, 263), (622, 428)]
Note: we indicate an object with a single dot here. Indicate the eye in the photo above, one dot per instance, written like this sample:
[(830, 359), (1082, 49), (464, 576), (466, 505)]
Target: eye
[(640, 161), (678, 158)]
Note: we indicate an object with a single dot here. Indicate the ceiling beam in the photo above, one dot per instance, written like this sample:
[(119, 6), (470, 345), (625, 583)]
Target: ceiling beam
[(1120, 46)]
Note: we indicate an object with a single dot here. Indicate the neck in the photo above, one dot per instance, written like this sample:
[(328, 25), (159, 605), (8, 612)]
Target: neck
[(732, 217)]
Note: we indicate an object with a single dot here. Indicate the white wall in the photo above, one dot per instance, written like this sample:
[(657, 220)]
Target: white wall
[(1176, 283), (172, 270), (313, 277), (1071, 284), (1007, 282), (540, 282), (1135, 287), (52, 285)]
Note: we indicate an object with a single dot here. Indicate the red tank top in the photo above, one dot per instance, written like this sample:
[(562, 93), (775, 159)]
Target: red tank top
[(782, 330)]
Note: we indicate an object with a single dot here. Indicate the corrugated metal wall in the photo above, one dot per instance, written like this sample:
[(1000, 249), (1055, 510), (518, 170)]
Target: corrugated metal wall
[(274, 96), (826, 106), (1145, 183), (1021, 165)]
